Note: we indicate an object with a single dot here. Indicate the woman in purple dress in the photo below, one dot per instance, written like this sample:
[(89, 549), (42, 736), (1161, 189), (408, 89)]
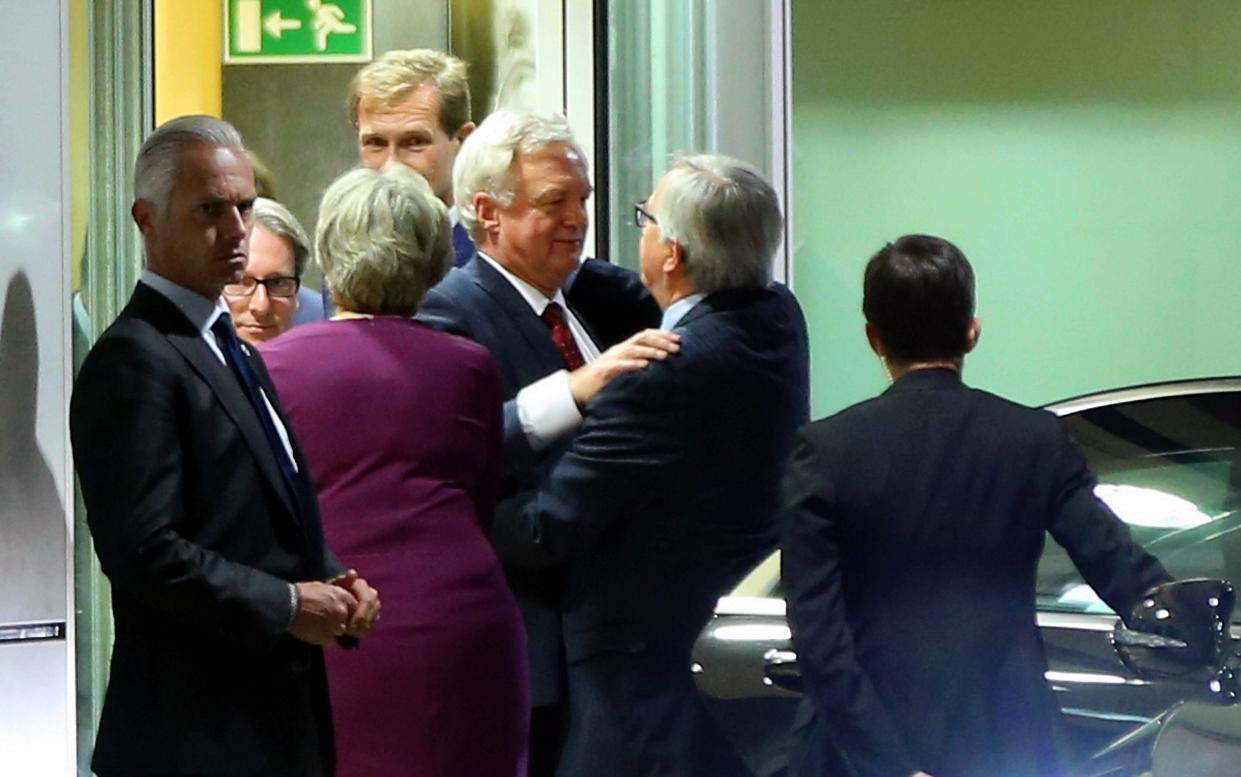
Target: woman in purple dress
[(401, 426)]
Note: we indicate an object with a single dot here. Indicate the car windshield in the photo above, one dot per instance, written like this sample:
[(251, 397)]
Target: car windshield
[(1169, 468)]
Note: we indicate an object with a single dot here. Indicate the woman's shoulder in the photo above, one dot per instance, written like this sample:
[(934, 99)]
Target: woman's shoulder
[(303, 336)]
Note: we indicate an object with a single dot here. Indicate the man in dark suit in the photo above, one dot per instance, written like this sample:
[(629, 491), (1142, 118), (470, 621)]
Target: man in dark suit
[(552, 323), (223, 591), (915, 523), (668, 494), (413, 107)]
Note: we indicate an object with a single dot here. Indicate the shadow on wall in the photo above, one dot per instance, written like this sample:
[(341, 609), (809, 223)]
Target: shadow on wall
[(32, 523)]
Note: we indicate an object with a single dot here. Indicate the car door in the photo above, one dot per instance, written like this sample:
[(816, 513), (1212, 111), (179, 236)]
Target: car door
[(1167, 462)]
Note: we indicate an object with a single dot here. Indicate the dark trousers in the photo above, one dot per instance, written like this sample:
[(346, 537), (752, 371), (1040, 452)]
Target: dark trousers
[(548, 723)]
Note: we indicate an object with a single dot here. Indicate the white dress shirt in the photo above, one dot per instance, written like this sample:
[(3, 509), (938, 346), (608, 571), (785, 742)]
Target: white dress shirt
[(202, 313), (546, 408)]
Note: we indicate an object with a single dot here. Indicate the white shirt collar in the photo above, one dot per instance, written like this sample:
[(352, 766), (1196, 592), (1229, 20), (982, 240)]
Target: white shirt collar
[(537, 300), (677, 310), (200, 311)]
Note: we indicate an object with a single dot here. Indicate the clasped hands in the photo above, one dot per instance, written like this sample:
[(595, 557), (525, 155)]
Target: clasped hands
[(345, 606)]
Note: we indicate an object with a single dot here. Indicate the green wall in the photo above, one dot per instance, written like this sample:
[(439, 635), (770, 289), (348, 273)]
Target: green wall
[(1085, 155)]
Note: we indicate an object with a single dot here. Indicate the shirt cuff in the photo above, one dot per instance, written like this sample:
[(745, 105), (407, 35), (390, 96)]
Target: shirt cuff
[(295, 602), (546, 410)]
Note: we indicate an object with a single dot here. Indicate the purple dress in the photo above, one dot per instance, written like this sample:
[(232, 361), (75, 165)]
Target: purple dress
[(401, 426)]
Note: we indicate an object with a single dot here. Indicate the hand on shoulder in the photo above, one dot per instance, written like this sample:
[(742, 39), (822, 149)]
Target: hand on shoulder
[(628, 356)]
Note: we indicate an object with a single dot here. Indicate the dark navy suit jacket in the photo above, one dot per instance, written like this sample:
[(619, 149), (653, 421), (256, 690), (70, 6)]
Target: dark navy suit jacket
[(668, 495), (477, 302), (462, 245), (200, 538), (915, 524)]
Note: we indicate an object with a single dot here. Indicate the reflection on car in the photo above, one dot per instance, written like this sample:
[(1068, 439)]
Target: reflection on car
[(1168, 460)]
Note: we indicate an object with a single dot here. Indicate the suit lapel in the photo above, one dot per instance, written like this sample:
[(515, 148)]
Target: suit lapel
[(236, 405), (154, 307), (528, 326)]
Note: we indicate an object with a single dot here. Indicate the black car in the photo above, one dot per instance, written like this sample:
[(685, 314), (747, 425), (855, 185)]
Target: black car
[(1168, 459)]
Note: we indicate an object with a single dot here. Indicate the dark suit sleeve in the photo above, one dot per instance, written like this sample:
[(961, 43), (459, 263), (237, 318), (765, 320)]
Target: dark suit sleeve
[(519, 454), (841, 692), (488, 407), (620, 460), (1115, 566), (442, 312), (124, 426)]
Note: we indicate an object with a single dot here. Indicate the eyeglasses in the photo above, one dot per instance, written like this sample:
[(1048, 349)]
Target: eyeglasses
[(642, 216), (283, 286)]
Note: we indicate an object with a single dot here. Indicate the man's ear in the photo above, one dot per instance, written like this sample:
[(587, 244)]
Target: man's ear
[(487, 212), (464, 132), (876, 343), (973, 335), (674, 259), (143, 214)]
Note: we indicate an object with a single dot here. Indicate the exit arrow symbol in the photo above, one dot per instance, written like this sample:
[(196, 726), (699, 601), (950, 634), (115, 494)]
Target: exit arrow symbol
[(275, 24)]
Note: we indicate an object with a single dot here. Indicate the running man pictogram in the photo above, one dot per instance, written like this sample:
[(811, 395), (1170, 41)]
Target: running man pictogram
[(329, 20)]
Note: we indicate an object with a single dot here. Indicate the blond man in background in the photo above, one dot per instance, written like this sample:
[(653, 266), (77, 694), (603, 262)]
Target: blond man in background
[(413, 107)]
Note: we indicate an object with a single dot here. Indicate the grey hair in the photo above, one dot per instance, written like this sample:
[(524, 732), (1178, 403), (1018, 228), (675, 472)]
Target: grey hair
[(485, 161), (277, 219), (725, 216), (156, 165), (383, 239)]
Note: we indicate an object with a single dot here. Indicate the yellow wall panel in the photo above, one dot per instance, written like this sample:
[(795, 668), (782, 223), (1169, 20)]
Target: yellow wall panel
[(188, 46)]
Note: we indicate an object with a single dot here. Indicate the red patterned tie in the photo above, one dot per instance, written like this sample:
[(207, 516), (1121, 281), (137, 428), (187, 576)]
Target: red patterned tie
[(553, 316)]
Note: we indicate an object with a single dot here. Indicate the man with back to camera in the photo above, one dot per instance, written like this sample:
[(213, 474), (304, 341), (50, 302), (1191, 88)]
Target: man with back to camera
[(522, 186), (669, 492), (914, 525), (223, 591)]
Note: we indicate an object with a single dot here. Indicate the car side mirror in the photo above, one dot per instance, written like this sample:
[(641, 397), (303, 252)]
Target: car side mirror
[(1180, 630)]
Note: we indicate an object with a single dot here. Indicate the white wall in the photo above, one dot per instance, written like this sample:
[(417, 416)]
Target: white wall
[(36, 712)]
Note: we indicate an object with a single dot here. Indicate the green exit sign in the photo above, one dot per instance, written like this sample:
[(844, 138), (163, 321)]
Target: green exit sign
[(275, 31)]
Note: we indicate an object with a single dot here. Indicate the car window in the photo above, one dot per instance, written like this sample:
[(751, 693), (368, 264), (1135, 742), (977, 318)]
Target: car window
[(1169, 468)]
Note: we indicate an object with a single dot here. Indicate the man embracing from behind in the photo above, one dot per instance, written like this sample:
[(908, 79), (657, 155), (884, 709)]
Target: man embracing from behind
[(669, 492)]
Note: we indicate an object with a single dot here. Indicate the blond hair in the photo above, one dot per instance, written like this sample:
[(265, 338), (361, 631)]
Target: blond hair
[(391, 78)]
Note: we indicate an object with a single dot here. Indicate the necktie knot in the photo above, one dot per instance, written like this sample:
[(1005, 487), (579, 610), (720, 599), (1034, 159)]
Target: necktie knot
[(562, 336), (553, 314)]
